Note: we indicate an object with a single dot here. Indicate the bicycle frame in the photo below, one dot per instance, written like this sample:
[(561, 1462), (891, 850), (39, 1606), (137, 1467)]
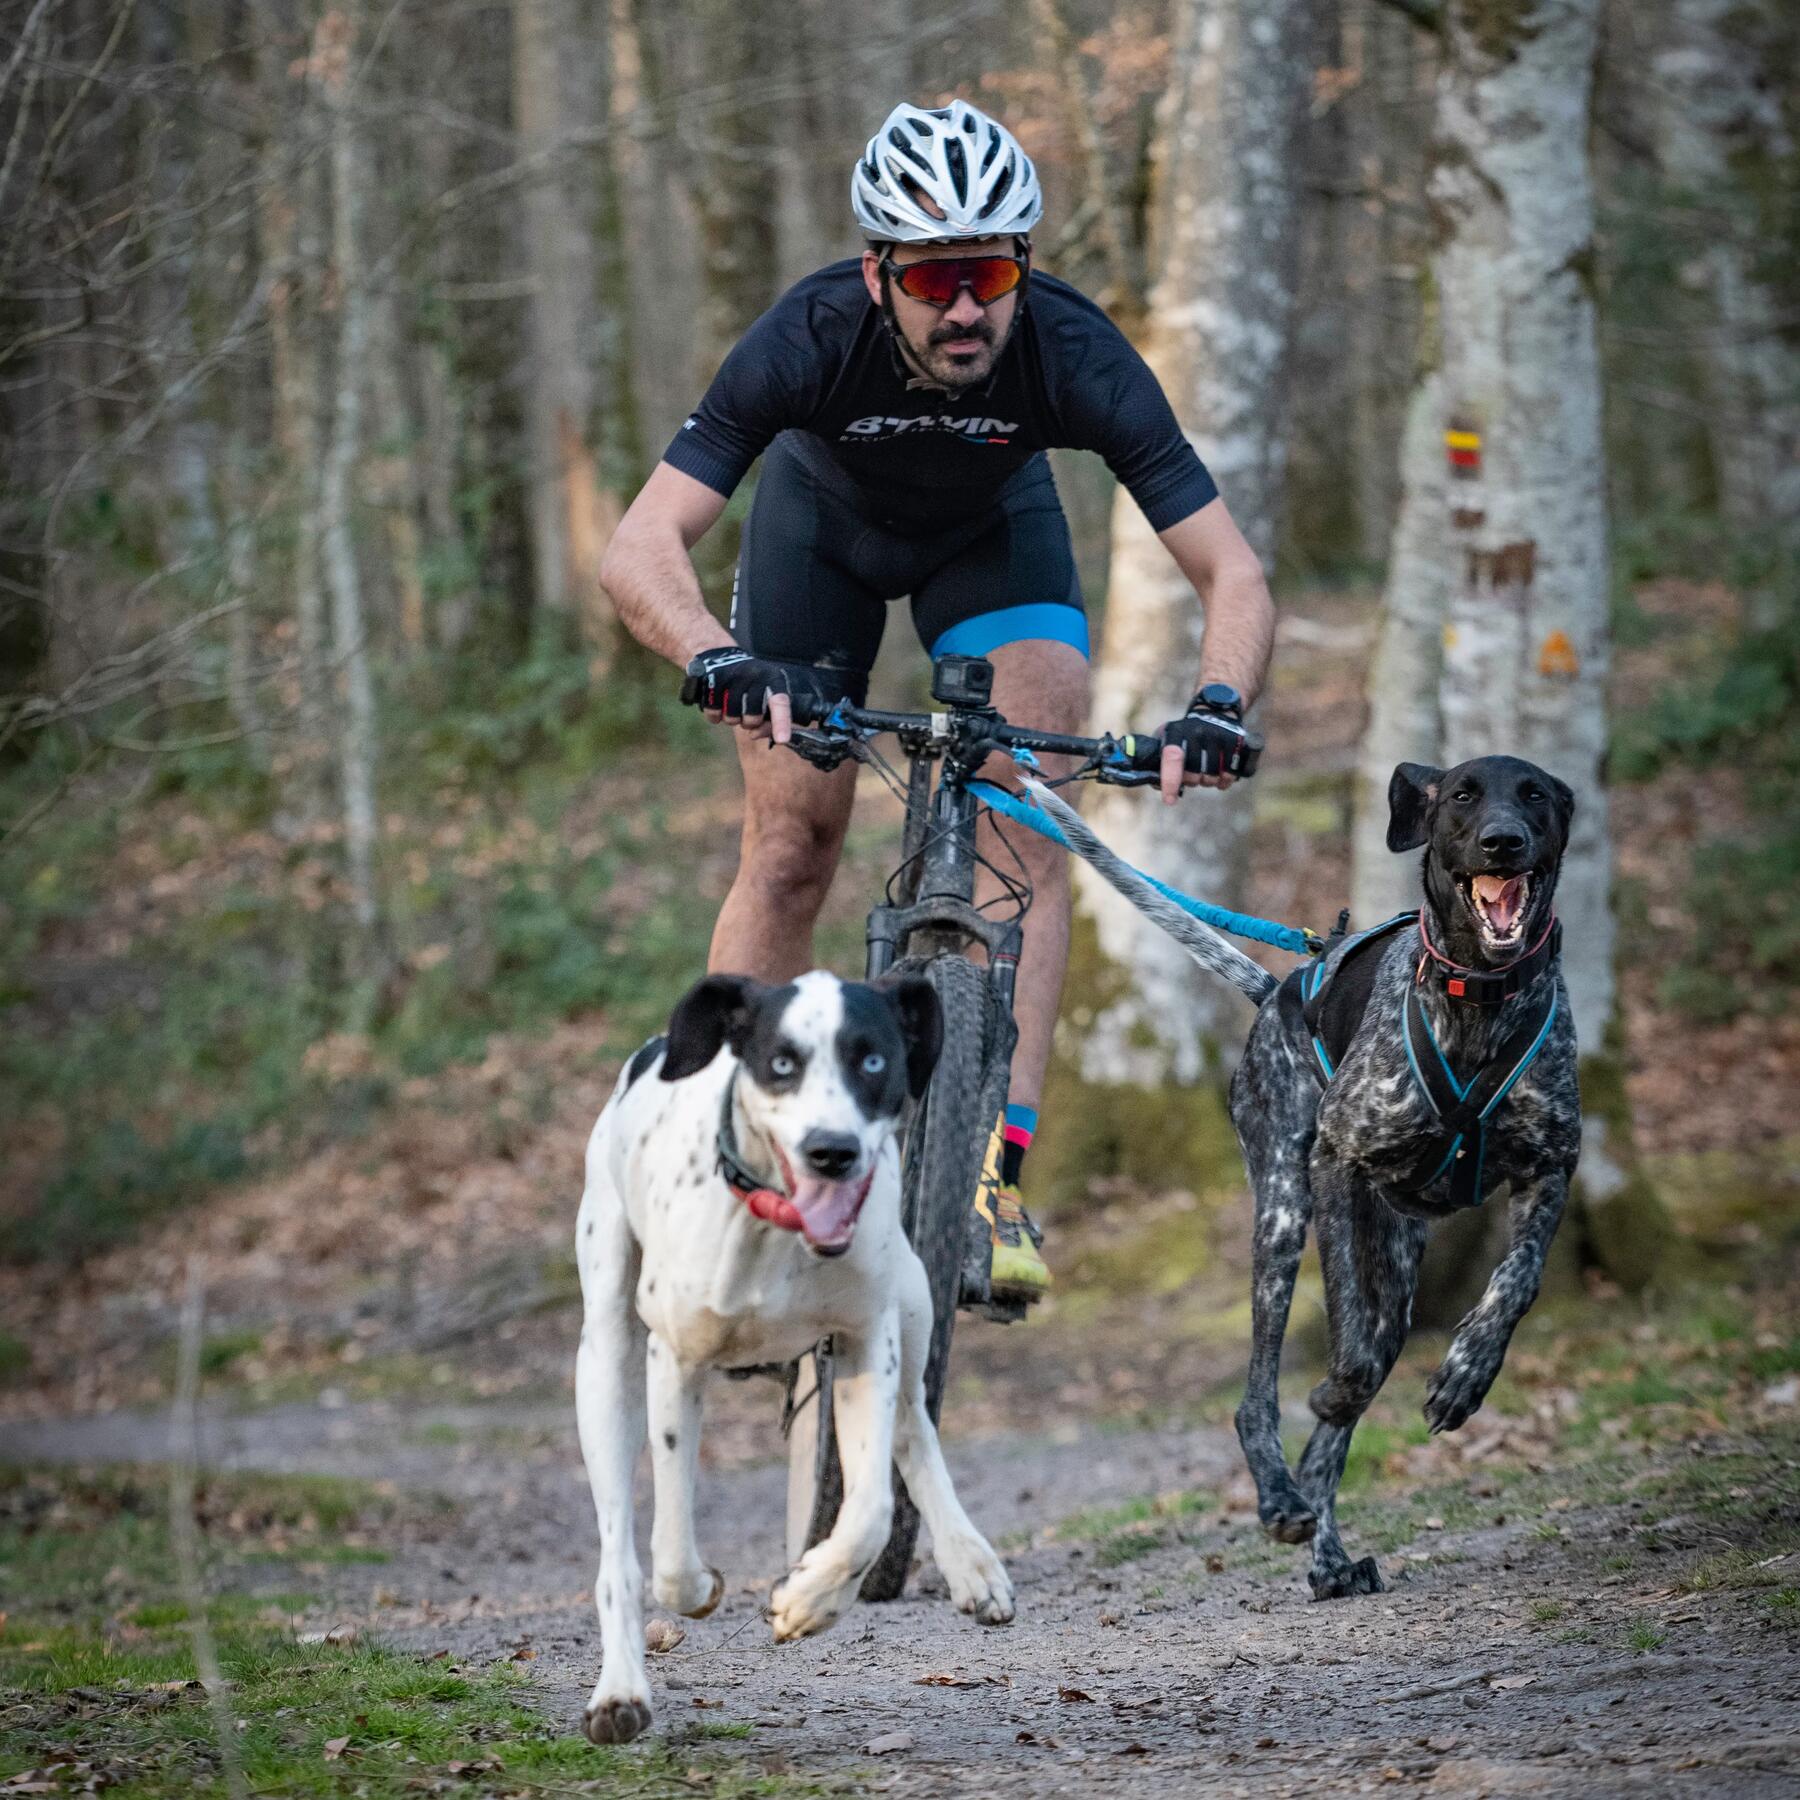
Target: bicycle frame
[(938, 867)]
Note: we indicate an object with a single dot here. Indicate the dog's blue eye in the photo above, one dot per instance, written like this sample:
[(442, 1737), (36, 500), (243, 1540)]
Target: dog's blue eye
[(874, 1063), (782, 1064)]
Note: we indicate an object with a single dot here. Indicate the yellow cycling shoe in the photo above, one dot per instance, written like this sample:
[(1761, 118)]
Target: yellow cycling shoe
[(1018, 1271)]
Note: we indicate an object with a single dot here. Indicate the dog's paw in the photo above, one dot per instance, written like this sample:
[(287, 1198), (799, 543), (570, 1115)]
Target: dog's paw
[(1342, 1580), (978, 1581), (693, 1593), (1285, 1514), (616, 1719), (809, 1599), (1454, 1393)]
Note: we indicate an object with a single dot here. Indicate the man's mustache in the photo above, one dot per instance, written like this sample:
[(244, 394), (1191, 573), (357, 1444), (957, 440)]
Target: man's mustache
[(949, 334)]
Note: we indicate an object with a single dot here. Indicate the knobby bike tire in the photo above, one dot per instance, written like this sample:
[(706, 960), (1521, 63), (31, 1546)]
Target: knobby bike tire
[(946, 1141)]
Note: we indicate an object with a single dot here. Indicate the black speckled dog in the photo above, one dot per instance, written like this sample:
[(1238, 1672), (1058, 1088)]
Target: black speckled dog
[(1408, 1073), (1405, 1074)]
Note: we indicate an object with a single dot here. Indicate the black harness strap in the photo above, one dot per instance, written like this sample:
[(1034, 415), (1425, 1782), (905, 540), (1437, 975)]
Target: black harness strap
[(1333, 995), (1462, 1109), (1334, 992)]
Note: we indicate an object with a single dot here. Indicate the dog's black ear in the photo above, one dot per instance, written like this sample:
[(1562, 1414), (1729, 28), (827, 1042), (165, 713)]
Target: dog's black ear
[(1410, 793), (705, 1016), (921, 1025)]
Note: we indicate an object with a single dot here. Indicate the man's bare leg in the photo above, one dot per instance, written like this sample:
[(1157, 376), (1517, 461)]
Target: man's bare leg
[(1043, 684), (795, 817)]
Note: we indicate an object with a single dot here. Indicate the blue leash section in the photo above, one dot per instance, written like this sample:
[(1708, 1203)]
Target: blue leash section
[(1261, 931)]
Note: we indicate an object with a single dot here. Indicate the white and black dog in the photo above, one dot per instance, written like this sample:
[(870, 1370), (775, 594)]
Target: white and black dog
[(739, 1209)]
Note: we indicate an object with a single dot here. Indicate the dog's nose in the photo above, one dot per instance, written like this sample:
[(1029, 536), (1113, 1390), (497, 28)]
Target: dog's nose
[(831, 1154), (1502, 837)]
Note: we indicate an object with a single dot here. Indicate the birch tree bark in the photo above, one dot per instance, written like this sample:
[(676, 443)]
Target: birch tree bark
[(1725, 147), (334, 48), (1225, 244), (1501, 547)]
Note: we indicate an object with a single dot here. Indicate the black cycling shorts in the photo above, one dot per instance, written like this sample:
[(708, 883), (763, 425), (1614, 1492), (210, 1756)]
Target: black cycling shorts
[(817, 567)]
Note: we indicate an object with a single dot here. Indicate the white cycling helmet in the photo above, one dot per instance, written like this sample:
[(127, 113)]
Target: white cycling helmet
[(970, 166)]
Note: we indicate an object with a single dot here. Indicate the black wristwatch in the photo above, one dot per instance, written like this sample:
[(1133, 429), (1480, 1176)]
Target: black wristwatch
[(1218, 697)]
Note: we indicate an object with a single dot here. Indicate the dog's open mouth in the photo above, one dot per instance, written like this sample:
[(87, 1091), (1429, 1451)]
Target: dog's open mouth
[(1498, 903), (826, 1211)]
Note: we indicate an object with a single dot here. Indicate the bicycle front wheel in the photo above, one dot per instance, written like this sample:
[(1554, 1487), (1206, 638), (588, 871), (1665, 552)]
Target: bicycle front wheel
[(946, 1141)]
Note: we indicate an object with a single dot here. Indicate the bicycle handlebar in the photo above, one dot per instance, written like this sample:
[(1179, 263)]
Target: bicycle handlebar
[(1133, 760)]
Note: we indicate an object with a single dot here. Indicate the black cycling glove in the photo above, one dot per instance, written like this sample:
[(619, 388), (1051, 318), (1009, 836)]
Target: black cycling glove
[(1213, 739), (734, 682)]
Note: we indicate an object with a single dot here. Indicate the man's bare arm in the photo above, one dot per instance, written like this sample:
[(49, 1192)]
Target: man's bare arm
[(649, 574), (1240, 619), (1240, 616)]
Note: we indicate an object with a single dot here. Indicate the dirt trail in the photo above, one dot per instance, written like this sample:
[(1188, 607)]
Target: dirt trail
[(1191, 1660)]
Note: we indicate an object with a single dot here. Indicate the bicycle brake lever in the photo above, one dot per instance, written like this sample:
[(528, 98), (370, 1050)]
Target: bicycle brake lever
[(822, 751)]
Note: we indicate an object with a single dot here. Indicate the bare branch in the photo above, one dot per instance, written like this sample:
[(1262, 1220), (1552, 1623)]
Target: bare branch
[(26, 33)]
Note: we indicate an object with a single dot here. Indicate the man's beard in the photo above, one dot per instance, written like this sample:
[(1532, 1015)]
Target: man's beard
[(954, 372)]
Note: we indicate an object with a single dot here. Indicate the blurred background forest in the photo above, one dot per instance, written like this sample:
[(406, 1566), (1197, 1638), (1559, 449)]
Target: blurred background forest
[(344, 843)]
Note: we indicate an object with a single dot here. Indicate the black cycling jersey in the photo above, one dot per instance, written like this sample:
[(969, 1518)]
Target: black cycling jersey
[(821, 361)]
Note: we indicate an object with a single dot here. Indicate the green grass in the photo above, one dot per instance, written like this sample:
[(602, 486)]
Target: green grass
[(1643, 1635), (96, 1662)]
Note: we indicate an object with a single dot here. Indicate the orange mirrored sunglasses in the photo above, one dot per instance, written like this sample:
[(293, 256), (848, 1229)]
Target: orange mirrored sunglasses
[(938, 280)]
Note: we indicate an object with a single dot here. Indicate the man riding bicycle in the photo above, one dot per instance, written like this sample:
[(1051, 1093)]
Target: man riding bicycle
[(902, 405)]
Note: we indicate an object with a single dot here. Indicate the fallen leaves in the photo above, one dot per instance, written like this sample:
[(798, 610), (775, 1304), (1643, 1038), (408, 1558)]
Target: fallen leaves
[(661, 1636), (1506, 1683), (333, 1748), (890, 1743), (945, 1679)]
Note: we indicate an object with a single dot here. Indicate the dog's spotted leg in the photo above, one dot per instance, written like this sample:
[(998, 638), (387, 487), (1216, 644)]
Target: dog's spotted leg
[(976, 1576), (865, 1385), (1276, 1156), (609, 1408), (680, 1579), (1370, 1255), (1461, 1382)]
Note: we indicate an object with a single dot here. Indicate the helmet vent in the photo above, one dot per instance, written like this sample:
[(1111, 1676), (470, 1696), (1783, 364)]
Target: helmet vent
[(958, 165), (1002, 187), (993, 150), (908, 151)]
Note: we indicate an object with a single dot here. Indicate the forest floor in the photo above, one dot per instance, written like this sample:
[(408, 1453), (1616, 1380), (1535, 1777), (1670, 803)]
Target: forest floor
[(1596, 1582)]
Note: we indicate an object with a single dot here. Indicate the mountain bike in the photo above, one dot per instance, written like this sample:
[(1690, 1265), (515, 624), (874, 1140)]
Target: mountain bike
[(928, 924)]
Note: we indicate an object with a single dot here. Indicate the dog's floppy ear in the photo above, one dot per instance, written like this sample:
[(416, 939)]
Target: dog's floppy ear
[(1410, 793), (1564, 796), (921, 1025), (708, 1013)]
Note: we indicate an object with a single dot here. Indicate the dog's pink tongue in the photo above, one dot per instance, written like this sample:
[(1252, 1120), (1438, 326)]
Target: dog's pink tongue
[(828, 1210), (1500, 898)]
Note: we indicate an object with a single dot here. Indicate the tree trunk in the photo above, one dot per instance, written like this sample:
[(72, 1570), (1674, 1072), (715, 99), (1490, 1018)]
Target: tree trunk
[(555, 92), (334, 50), (1726, 151), (289, 212), (1224, 242), (1504, 513)]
